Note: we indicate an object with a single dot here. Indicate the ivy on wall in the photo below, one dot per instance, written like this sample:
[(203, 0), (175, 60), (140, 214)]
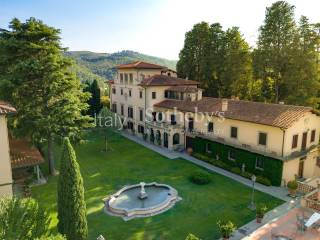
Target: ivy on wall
[(272, 168)]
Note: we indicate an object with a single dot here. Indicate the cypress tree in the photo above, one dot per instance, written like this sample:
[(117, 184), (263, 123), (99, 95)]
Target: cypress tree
[(71, 203)]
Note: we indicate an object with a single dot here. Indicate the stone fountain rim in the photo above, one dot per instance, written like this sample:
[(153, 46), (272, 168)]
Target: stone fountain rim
[(138, 212)]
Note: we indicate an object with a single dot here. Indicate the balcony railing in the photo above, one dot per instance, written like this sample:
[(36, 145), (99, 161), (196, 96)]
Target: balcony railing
[(165, 125)]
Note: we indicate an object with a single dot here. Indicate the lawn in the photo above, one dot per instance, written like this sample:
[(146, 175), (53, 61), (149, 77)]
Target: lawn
[(128, 163)]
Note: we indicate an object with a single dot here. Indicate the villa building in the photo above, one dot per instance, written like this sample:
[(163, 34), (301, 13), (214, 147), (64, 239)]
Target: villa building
[(277, 141)]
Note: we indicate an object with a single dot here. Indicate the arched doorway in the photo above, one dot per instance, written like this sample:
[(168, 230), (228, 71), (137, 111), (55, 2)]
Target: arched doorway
[(158, 137), (176, 139), (165, 139), (151, 135)]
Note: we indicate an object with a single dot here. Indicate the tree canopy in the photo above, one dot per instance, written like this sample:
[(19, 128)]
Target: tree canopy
[(38, 80), (284, 66)]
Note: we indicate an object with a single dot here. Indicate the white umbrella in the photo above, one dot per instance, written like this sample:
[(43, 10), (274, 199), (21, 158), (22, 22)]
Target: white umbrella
[(313, 219)]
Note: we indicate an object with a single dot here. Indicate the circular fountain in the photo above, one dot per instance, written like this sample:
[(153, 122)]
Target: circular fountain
[(141, 200)]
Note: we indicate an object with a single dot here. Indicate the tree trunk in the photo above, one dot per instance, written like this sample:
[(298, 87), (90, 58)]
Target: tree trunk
[(52, 169)]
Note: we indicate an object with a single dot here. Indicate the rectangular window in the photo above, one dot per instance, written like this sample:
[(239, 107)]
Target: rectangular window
[(141, 115), (140, 94), (114, 90), (166, 94), (154, 95), (130, 93), (173, 119), (114, 107), (190, 124), (208, 148), (121, 91), (126, 78), (130, 112), (234, 132), (294, 141), (259, 163), (154, 116), (121, 77), (210, 127), (131, 78), (318, 162), (231, 155), (122, 110), (262, 139), (313, 135)]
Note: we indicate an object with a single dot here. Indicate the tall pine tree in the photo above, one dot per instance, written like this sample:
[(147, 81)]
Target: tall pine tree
[(236, 79), (275, 44), (71, 202), (36, 78)]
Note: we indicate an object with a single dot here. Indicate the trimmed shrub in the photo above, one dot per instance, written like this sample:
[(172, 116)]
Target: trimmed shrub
[(200, 178), (236, 170), (263, 180), (246, 175), (272, 167)]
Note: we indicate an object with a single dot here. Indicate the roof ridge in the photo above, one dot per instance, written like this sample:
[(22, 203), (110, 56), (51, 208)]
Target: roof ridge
[(265, 103)]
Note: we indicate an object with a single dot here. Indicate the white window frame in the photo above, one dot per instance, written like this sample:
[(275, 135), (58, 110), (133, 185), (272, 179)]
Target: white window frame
[(257, 167), (229, 156), (208, 150)]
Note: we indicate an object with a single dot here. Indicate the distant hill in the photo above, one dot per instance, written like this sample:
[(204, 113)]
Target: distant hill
[(102, 64)]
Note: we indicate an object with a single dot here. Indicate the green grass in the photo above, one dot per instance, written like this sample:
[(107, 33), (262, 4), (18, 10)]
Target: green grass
[(130, 163)]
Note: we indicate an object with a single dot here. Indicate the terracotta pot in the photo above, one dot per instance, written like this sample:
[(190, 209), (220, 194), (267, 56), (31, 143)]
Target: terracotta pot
[(259, 219), (292, 192), (189, 151)]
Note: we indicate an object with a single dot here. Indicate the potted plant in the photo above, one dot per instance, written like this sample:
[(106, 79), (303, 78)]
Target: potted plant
[(189, 150), (292, 187), (261, 211), (226, 228)]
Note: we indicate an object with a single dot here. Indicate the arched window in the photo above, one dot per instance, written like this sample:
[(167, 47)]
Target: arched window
[(176, 139)]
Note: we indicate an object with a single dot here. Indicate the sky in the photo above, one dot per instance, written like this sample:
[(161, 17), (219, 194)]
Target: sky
[(153, 27)]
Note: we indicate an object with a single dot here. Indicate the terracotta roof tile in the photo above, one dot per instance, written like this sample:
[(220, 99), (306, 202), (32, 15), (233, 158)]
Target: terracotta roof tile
[(277, 115), (164, 80), (140, 65), (188, 89), (22, 154), (6, 108)]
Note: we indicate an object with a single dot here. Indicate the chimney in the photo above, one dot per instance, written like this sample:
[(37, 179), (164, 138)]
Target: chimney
[(224, 105)]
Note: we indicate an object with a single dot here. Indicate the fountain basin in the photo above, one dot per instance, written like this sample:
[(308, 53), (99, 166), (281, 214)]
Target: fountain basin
[(127, 202)]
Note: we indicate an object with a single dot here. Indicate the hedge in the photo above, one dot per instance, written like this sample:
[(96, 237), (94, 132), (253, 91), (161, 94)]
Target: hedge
[(272, 167)]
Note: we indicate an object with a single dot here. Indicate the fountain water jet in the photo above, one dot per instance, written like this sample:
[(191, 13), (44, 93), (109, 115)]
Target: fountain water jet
[(142, 194)]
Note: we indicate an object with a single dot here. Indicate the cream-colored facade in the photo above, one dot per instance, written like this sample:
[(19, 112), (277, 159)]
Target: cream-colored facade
[(5, 165), (300, 159)]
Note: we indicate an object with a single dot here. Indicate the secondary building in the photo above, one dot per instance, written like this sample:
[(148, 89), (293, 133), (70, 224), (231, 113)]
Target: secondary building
[(277, 141), (17, 156)]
